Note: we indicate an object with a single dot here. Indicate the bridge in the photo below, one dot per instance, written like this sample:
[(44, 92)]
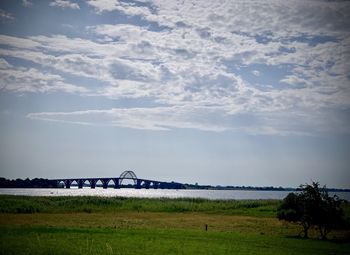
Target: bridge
[(118, 182)]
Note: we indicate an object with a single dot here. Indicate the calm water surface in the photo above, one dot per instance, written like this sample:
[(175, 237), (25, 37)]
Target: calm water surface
[(152, 193)]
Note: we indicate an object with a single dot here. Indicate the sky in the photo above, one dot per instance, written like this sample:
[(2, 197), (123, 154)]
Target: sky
[(253, 93)]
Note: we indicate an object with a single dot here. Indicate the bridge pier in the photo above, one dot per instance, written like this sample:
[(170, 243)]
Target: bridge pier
[(92, 183), (105, 182), (80, 183), (155, 185), (138, 183), (162, 185), (67, 183), (116, 183)]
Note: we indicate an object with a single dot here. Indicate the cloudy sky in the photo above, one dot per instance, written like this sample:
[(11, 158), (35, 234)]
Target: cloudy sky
[(214, 92)]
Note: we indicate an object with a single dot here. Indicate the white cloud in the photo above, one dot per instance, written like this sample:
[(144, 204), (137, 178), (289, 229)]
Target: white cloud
[(4, 64), (256, 72), (104, 5), (253, 17), (5, 16), (27, 3), (158, 118), (192, 61), (65, 4), (115, 5), (203, 118), (32, 80)]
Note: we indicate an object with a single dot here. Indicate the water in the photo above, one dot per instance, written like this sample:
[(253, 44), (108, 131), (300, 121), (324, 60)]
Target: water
[(157, 193)]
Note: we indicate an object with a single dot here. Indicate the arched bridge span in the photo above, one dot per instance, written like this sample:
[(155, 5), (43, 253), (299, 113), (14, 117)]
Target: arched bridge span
[(117, 182)]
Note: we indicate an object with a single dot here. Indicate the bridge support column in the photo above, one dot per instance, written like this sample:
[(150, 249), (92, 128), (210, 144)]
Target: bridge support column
[(138, 184), (155, 185), (116, 183), (105, 183), (67, 183), (92, 183), (58, 185), (80, 183)]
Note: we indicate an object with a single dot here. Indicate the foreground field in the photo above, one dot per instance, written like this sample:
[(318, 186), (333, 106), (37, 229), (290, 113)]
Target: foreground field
[(90, 225)]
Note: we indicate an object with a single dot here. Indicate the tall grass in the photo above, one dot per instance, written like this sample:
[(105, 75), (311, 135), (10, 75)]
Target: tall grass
[(28, 204)]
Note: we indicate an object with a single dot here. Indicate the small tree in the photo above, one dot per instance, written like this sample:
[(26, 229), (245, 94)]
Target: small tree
[(330, 214), (292, 210), (312, 206)]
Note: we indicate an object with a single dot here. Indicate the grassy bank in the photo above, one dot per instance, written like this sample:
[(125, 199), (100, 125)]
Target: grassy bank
[(92, 225), (26, 204)]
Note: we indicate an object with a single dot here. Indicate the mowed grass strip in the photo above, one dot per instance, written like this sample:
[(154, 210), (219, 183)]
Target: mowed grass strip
[(55, 240), (150, 220)]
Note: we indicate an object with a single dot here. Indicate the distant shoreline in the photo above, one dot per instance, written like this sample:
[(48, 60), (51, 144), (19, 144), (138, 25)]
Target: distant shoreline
[(46, 183), (223, 189)]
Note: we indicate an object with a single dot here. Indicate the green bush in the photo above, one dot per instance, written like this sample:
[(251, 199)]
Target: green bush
[(312, 206)]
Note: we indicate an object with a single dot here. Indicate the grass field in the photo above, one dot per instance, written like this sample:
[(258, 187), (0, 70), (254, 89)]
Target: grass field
[(92, 225)]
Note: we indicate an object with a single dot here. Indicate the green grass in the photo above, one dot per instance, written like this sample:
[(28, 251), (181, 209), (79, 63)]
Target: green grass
[(26, 204), (94, 225), (111, 241)]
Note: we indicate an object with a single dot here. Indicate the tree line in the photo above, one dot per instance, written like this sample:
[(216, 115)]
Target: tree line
[(27, 183)]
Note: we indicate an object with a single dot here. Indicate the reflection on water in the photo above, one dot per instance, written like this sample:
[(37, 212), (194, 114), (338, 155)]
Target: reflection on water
[(156, 193)]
